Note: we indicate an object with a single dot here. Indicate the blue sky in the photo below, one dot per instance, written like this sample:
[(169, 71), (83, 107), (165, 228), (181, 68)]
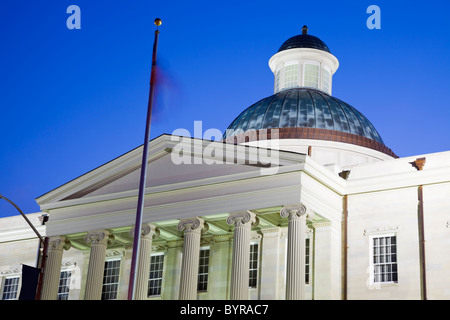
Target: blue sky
[(72, 100)]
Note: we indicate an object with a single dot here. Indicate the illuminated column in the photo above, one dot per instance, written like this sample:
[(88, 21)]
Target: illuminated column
[(53, 267), (191, 253), (295, 273), (242, 222), (148, 233), (98, 239)]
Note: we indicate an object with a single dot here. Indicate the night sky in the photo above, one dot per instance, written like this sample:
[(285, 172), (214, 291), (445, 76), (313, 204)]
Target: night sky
[(74, 99)]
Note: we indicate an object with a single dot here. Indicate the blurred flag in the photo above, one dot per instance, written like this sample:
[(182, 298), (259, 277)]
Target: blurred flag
[(30, 278)]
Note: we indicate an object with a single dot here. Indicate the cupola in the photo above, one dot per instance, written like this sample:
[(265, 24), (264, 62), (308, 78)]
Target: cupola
[(303, 61)]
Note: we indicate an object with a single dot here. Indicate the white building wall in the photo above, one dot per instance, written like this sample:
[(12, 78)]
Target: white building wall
[(384, 212), (437, 239)]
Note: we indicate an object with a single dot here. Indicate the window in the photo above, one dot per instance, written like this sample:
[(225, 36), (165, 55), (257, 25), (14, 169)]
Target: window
[(307, 260), (384, 259), (291, 76), (111, 280), (64, 284), (203, 270), (156, 273), (10, 288), (311, 76), (277, 80), (253, 273), (326, 80)]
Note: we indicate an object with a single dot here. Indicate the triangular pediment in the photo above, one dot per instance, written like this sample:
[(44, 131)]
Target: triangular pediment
[(174, 162), (163, 171)]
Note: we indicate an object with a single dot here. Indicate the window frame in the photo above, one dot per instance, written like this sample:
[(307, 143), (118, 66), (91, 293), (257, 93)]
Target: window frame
[(117, 283), (294, 75), (308, 260), (326, 77), (66, 285), (18, 284), (278, 77), (203, 277), (254, 269), (151, 280), (315, 64), (373, 264)]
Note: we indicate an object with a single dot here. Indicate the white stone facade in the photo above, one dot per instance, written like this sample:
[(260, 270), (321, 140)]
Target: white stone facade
[(199, 206)]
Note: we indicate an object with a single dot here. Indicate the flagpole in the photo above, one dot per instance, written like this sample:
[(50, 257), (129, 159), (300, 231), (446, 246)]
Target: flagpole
[(140, 205)]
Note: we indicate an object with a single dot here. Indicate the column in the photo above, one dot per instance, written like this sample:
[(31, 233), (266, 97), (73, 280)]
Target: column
[(242, 222), (53, 267), (191, 253), (98, 239), (148, 233), (295, 270)]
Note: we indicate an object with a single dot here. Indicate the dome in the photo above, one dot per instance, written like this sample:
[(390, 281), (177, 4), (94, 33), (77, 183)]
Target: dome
[(304, 40), (305, 113)]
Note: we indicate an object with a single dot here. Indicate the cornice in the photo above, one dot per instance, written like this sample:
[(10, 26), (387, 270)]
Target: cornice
[(399, 180), (380, 230)]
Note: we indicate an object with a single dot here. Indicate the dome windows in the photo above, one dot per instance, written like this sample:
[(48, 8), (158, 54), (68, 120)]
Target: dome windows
[(310, 74), (291, 75), (277, 80), (326, 74)]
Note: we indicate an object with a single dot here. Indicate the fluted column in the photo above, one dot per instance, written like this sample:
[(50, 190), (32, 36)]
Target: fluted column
[(148, 233), (99, 240), (191, 253), (53, 267), (295, 273), (242, 222)]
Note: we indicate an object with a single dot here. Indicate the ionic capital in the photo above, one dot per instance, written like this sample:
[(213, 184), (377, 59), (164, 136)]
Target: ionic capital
[(102, 237), (148, 231), (295, 212), (58, 243), (191, 225), (242, 219)]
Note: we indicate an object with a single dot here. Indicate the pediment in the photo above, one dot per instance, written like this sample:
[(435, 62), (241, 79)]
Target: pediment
[(172, 163), (163, 172)]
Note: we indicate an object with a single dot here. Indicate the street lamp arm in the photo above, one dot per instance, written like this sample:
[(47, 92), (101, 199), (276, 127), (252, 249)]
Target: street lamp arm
[(25, 217)]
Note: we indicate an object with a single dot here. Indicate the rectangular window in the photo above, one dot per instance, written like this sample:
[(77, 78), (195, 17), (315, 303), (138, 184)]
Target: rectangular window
[(203, 267), (307, 260), (156, 274), (311, 76), (291, 76), (326, 80), (277, 80), (253, 274), (10, 288), (111, 280), (64, 284), (384, 257)]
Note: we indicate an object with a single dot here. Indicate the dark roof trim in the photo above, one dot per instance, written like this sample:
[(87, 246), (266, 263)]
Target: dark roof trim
[(311, 133)]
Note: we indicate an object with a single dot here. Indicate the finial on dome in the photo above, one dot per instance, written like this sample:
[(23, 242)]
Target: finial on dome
[(304, 30)]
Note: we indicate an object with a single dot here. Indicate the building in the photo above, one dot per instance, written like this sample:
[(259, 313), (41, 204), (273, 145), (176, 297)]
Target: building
[(301, 200)]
